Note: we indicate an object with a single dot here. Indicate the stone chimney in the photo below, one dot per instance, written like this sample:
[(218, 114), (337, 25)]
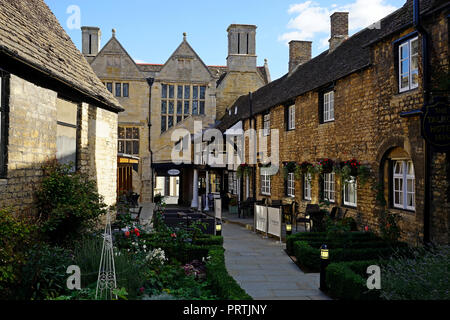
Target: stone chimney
[(339, 29), (90, 38), (299, 53), (241, 48)]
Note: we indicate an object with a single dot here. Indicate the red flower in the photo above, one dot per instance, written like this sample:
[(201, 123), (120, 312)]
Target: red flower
[(127, 234), (173, 235), (141, 289)]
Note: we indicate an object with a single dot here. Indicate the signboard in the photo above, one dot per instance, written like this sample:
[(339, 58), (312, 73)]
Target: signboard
[(261, 218), (436, 125), (173, 172), (218, 208), (274, 221)]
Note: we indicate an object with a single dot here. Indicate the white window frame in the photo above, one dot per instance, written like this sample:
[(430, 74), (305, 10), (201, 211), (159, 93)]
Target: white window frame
[(351, 192), (291, 117), (266, 124), (291, 184), (265, 183), (400, 194), (329, 187), (307, 186), (328, 106), (409, 58)]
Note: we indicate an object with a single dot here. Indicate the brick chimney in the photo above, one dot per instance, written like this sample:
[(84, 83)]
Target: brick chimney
[(299, 53), (339, 29)]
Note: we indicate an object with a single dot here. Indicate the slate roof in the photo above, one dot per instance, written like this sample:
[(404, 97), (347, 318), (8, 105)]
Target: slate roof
[(352, 55), (31, 33)]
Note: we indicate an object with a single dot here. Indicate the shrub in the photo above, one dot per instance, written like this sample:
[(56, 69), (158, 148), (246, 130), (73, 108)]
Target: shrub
[(421, 275), (87, 254), (223, 285), (44, 273), (309, 256), (16, 235), (68, 203), (348, 280)]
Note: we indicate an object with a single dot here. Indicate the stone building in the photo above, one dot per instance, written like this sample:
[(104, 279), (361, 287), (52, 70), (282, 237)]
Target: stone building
[(161, 98), (53, 106), (363, 98)]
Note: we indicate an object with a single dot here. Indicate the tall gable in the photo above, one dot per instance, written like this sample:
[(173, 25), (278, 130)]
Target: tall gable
[(185, 65), (113, 61)]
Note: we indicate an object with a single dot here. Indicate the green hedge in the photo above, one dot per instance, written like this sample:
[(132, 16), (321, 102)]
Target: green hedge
[(323, 237), (348, 280), (223, 285), (309, 256), (209, 240)]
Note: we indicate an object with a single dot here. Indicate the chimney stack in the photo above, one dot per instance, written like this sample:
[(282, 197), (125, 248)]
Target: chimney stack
[(90, 37), (299, 53), (339, 29)]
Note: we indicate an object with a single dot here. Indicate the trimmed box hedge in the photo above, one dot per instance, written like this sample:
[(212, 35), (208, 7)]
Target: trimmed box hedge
[(222, 284), (323, 237), (309, 256), (348, 280)]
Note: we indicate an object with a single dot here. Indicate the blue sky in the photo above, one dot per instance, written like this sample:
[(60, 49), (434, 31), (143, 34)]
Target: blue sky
[(151, 30)]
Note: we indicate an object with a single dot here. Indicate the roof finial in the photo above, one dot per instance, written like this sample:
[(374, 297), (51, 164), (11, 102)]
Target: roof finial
[(265, 61), (184, 36), (114, 33)]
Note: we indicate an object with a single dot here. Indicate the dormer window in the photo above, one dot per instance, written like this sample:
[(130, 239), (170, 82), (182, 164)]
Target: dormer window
[(408, 64)]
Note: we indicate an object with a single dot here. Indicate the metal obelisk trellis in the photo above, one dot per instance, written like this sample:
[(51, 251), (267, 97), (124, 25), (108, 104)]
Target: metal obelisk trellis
[(106, 281)]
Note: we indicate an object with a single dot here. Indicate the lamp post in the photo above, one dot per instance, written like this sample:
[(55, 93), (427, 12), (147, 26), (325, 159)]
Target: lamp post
[(324, 261), (288, 228), (218, 229)]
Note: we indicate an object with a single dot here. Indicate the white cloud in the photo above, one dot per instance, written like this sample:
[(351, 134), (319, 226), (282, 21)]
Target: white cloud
[(312, 19), (138, 61)]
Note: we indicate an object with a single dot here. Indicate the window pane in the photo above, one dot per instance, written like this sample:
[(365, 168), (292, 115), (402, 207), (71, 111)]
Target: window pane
[(163, 123), (414, 47), (179, 107), (163, 107), (179, 119), (180, 92), (164, 91), (186, 107), (135, 147), (129, 133), (170, 122), (405, 67), (404, 51), (187, 92), (195, 92), (129, 146), (171, 107), (171, 91), (118, 89), (125, 90), (121, 133), (136, 133), (109, 86), (121, 147), (405, 81), (194, 107), (202, 107), (202, 92)]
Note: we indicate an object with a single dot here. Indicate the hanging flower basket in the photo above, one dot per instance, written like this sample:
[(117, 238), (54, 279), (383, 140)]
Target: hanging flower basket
[(326, 165), (353, 168), (304, 167), (289, 167), (243, 170)]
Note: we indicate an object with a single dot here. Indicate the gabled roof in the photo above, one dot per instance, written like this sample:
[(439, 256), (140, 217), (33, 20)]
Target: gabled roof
[(30, 33), (352, 55)]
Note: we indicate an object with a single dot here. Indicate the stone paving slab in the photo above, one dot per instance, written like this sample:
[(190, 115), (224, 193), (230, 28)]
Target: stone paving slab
[(262, 268)]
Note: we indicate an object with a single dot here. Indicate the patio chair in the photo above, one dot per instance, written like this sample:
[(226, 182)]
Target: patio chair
[(306, 218)]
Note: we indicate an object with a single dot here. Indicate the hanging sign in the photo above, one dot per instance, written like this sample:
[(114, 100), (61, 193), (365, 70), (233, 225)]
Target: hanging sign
[(274, 221), (261, 218), (173, 172), (436, 125)]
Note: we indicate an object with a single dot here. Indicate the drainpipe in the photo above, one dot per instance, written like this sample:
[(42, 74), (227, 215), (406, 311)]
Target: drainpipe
[(253, 123), (426, 94), (150, 82)]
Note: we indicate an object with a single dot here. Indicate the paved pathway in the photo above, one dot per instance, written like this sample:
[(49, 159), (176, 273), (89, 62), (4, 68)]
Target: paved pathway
[(264, 270)]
